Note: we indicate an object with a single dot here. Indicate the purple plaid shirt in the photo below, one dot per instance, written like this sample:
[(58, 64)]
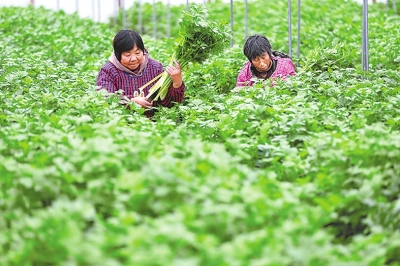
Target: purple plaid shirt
[(113, 79)]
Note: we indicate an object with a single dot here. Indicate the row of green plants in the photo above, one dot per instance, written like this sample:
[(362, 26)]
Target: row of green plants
[(324, 43), (304, 173)]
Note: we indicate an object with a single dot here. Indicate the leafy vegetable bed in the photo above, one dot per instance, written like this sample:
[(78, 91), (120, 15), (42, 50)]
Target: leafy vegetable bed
[(305, 173)]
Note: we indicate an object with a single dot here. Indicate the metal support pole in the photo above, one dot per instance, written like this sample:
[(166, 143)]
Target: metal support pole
[(231, 10), (290, 27), (394, 5), (123, 14), (98, 10), (364, 58), (93, 10), (140, 18), (77, 6), (154, 20), (246, 19), (298, 31), (168, 20), (187, 5), (116, 2), (58, 5), (204, 3)]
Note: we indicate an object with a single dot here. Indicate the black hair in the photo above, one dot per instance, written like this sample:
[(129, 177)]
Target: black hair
[(125, 40), (256, 45), (280, 54)]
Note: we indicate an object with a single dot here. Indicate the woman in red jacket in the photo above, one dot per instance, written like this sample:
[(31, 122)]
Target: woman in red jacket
[(264, 63)]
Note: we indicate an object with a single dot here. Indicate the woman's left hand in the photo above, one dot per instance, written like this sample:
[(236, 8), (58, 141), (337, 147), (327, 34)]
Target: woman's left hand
[(175, 73)]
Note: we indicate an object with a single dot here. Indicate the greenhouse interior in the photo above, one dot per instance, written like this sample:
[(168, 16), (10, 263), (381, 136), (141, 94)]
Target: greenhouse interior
[(185, 133)]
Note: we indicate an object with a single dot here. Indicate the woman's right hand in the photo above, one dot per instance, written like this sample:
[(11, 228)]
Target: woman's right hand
[(142, 101)]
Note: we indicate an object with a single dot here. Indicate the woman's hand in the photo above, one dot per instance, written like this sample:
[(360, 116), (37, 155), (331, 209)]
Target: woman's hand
[(175, 73), (142, 101)]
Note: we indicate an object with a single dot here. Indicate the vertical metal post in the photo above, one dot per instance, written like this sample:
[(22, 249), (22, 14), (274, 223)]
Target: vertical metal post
[(77, 6), (231, 11), (154, 20), (116, 8), (187, 5), (364, 58), (394, 5), (123, 14), (168, 20), (204, 3), (290, 27), (58, 5), (93, 11), (298, 31), (246, 19), (119, 5), (140, 17), (98, 10)]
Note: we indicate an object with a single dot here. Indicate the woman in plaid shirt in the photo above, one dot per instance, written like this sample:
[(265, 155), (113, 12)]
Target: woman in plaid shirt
[(130, 67)]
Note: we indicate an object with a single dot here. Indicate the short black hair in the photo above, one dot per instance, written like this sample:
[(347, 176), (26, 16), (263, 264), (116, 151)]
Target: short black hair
[(256, 45), (125, 40)]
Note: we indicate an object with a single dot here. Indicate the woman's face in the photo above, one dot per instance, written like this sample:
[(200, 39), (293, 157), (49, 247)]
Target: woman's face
[(132, 58), (262, 63)]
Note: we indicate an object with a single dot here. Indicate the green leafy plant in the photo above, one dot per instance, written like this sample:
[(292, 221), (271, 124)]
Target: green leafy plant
[(199, 39)]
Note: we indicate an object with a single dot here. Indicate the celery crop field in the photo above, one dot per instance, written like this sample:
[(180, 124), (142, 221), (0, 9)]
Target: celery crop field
[(303, 173)]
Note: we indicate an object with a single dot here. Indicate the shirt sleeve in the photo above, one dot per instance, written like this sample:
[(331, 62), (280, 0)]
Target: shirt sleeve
[(105, 81), (291, 69), (244, 77), (174, 95), (241, 80), (287, 68)]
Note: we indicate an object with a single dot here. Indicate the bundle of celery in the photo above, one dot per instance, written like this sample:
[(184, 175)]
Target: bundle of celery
[(198, 39)]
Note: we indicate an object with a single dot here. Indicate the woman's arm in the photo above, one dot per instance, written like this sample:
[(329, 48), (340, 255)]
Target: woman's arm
[(244, 76), (174, 95), (176, 91), (105, 81)]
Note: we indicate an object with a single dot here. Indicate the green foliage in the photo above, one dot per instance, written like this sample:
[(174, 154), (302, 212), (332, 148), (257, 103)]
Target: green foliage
[(198, 40), (67, 38), (329, 59), (302, 173)]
